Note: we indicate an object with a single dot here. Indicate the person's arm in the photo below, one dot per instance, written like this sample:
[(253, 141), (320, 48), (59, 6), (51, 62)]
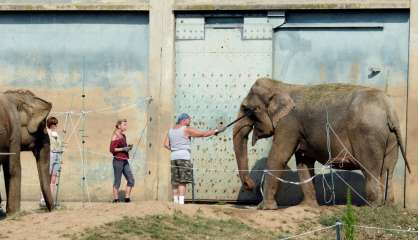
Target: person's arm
[(167, 142), (114, 146), (192, 132)]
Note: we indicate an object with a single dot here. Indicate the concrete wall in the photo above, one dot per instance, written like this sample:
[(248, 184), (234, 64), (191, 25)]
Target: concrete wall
[(156, 171), (56, 55), (412, 126), (288, 4), (83, 5)]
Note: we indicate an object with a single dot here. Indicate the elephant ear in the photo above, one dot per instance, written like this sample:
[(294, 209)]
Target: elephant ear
[(39, 111), (280, 105), (32, 109)]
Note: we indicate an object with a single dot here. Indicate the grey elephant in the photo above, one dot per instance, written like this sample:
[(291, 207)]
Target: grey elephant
[(22, 128), (296, 115)]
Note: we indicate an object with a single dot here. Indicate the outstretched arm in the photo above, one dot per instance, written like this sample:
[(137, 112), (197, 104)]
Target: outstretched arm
[(192, 132)]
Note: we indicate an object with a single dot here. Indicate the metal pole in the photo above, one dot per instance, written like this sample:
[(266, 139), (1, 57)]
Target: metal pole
[(338, 229), (67, 116), (193, 187), (83, 96)]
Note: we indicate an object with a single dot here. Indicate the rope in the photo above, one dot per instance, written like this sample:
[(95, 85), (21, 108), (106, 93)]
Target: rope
[(122, 107), (345, 148), (290, 182), (332, 197), (352, 189), (306, 233), (261, 185), (387, 229)]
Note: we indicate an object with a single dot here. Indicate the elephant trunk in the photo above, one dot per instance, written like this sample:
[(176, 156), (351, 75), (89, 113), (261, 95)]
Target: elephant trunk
[(240, 141), (42, 155)]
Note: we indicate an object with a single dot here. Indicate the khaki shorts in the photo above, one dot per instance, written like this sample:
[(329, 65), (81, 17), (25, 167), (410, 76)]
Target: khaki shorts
[(181, 171)]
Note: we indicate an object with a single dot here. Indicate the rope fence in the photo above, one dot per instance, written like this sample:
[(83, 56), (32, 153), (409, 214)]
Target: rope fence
[(338, 229)]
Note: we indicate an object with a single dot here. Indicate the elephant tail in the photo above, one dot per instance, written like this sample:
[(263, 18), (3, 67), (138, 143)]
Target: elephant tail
[(394, 126)]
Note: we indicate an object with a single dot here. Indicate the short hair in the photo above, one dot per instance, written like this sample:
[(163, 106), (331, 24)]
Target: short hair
[(51, 121), (182, 117), (120, 121)]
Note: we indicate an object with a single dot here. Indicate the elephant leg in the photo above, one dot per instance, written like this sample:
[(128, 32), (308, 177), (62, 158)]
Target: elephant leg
[(374, 186), (391, 157), (369, 152), (282, 149), (12, 178), (305, 167)]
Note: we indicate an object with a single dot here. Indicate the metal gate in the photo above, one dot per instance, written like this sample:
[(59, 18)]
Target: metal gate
[(217, 61)]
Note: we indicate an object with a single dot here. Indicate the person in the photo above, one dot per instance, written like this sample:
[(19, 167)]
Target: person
[(56, 149), (178, 142), (120, 151)]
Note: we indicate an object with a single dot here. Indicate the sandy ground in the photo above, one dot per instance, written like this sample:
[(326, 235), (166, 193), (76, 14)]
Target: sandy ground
[(33, 223)]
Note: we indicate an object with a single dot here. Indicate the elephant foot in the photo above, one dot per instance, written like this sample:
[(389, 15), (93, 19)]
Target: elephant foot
[(309, 203), (267, 205)]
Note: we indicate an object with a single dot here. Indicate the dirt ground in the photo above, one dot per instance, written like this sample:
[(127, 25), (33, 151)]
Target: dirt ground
[(33, 223)]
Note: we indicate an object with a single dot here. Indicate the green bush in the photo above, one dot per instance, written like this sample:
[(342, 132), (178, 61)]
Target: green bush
[(349, 218)]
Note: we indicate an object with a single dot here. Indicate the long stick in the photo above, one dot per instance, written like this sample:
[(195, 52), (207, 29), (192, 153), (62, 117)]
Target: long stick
[(247, 113)]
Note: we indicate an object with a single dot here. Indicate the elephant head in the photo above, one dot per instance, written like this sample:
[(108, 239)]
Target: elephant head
[(32, 112), (268, 101)]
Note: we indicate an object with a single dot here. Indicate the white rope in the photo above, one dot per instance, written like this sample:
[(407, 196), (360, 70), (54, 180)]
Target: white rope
[(306, 233), (387, 229), (121, 107), (332, 196), (290, 182), (351, 155), (84, 178), (261, 185), (352, 189), (205, 169)]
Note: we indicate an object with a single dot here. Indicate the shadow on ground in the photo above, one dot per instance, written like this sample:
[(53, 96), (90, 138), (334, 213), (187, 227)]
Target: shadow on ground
[(290, 194)]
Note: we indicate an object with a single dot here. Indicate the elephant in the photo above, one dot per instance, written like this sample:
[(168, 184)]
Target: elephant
[(295, 116), (23, 128)]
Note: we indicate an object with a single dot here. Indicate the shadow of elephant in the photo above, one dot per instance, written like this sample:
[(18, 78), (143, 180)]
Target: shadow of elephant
[(291, 194)]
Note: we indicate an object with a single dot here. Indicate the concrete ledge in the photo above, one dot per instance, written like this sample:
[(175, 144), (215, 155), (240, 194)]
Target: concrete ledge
[(207, 5), (75, 7)]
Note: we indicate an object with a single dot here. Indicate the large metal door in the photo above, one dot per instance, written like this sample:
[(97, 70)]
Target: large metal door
[(366, 48), (217, 61)]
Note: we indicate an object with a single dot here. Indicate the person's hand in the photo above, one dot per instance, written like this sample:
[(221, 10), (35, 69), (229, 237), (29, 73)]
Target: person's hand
[(127, 149), (219, 130)]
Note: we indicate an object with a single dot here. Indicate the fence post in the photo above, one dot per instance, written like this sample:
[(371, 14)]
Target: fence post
[(338, 229)]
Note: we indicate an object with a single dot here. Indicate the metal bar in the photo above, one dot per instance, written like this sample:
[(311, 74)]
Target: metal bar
[(338, 230), (332, 25)]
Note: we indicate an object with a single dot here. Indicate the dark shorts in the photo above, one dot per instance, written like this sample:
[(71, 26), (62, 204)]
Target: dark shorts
[(181, 171)]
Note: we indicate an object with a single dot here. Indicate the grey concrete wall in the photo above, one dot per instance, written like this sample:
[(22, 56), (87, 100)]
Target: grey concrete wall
[(412, 126), (84, 5), (288, 4), (54, 55), (161, 88)]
